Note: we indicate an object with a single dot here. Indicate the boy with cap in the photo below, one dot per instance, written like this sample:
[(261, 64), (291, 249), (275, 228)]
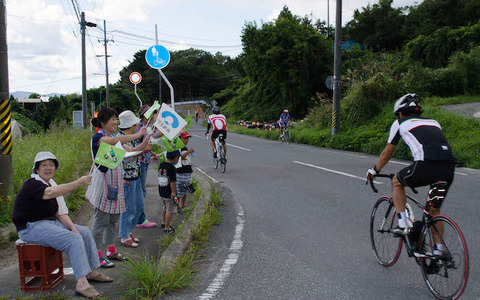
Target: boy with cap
[(184, 173), (167, 188)]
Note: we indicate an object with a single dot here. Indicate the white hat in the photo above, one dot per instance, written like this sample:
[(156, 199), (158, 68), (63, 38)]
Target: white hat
[(127, 119), (41, 156)]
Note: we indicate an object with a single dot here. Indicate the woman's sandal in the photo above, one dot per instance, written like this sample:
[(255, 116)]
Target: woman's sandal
[(130, 243), (89, 292), (105, 263), (117, 256), (134, 238), (100, 278)]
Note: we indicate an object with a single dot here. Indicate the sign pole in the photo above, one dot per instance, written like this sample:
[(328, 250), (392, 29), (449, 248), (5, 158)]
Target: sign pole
[(336, 72), (172, 97), (6, 175)]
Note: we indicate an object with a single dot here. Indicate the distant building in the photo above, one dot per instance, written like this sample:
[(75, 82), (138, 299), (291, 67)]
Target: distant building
[(33, 100)]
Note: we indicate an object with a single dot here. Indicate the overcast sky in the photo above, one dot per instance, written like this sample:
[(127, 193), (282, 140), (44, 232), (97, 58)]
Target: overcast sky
[(44, 45)]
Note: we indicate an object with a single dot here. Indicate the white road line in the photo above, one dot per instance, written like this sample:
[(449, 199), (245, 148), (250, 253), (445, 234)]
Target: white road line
[(334, 171), (238, 147), (211, 178), (232, 259)]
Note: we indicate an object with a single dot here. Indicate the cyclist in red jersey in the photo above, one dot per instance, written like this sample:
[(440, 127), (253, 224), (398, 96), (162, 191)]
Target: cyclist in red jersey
[(219, 123)]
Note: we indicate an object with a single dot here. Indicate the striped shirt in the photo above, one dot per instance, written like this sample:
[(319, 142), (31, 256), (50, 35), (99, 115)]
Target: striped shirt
[(424, 137), (219, 121)]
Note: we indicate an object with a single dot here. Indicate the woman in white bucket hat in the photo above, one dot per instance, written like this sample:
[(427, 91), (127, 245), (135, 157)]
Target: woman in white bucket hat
[(41, 217)]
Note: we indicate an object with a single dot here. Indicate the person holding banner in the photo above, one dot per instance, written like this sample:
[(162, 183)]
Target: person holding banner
[(108, 197), (144, 159), (134, 196), (41, 217)]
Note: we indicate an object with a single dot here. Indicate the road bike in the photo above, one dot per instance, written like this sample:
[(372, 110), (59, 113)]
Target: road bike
[(285, 136), (220, 158), (445, 274)]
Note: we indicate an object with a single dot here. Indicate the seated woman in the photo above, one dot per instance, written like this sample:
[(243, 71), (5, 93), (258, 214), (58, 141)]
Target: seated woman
[(41, 217)]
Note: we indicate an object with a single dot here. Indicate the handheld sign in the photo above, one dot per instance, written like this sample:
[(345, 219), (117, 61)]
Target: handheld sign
[(153, 108), (169, 122), (135, 78), (175, 144), (157, 57), (109, 156), (189, 121)]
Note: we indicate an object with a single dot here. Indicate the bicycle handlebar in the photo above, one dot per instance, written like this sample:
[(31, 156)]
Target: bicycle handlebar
[(372, 185)]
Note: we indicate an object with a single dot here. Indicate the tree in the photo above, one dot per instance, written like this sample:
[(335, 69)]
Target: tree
[(379, 26), (286, 62)]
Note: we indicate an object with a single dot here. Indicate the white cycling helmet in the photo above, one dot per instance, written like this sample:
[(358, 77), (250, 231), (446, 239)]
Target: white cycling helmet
[(408, 103)]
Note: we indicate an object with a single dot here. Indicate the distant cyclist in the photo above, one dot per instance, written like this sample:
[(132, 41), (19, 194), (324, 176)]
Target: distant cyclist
[(284, 121), (434, 163), (219, 123)]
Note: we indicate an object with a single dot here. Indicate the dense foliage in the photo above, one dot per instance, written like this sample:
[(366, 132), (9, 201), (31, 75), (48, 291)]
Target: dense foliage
[(286, 62), (383, 27)]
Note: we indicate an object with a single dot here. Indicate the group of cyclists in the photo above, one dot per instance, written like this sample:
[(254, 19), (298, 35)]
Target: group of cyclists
[(433, 159)]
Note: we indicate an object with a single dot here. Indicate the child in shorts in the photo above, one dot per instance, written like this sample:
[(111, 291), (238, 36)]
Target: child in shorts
[(167, 188), (184, 173)]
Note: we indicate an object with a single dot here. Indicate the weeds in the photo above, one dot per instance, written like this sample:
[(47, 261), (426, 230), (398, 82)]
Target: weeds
[(147, 278)]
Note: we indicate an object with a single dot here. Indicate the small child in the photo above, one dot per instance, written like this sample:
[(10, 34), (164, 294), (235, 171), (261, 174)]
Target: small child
[(184, 173), (167, 188)]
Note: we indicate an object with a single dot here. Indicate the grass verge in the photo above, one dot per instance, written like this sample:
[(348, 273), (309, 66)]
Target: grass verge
[(147, 278), (71, 146)]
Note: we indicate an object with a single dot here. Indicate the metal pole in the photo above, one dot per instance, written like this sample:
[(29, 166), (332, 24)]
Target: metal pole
[(172, 96), (328, 18), (336, 72), (6, 174), (84, 73), (106, 62), (138, 97), (159, 77)]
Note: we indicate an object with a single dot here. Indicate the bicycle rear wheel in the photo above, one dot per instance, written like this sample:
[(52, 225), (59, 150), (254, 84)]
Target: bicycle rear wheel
[(223, 163), (215, 160), (386, 246), (446, 275)]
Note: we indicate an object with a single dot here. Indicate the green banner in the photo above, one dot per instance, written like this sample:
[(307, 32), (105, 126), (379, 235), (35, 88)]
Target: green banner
[(154, 107), (109, 156), (175, 144), (189, 121)]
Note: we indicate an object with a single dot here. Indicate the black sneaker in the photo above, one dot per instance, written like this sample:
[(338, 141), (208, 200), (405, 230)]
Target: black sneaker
[(214, 154), (169, 230)]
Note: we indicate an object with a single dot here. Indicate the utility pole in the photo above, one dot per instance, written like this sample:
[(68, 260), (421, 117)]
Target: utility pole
[(6, 175), (83, 25), (159, 76), (105, 43), (337, 61), (328, 18)]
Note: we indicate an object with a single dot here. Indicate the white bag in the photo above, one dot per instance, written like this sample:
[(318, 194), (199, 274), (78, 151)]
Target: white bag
[(95, 190)]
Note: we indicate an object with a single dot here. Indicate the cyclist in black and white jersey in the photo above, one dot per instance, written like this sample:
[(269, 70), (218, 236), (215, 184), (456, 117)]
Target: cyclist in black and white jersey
[(434, 161)]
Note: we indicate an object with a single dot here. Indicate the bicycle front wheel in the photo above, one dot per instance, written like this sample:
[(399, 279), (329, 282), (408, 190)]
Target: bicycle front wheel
[(445, 274), (386, 246)]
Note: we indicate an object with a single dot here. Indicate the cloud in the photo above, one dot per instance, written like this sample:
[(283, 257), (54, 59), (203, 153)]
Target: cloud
[(124, 10)]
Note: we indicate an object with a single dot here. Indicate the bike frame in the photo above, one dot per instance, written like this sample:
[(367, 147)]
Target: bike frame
[(426, 218)]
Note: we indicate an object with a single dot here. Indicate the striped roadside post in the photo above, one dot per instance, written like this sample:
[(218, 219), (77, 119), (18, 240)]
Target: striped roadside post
[(6, 175), (6, 169)]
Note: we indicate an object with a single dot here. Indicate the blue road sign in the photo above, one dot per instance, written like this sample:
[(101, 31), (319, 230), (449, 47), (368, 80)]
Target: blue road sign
[(157, 57)]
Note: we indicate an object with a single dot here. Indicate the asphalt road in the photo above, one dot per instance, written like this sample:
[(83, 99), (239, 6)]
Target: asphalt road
[(296, 226)]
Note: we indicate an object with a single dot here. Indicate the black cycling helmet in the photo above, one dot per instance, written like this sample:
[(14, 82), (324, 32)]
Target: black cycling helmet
[(216, 110), (407, 104)]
